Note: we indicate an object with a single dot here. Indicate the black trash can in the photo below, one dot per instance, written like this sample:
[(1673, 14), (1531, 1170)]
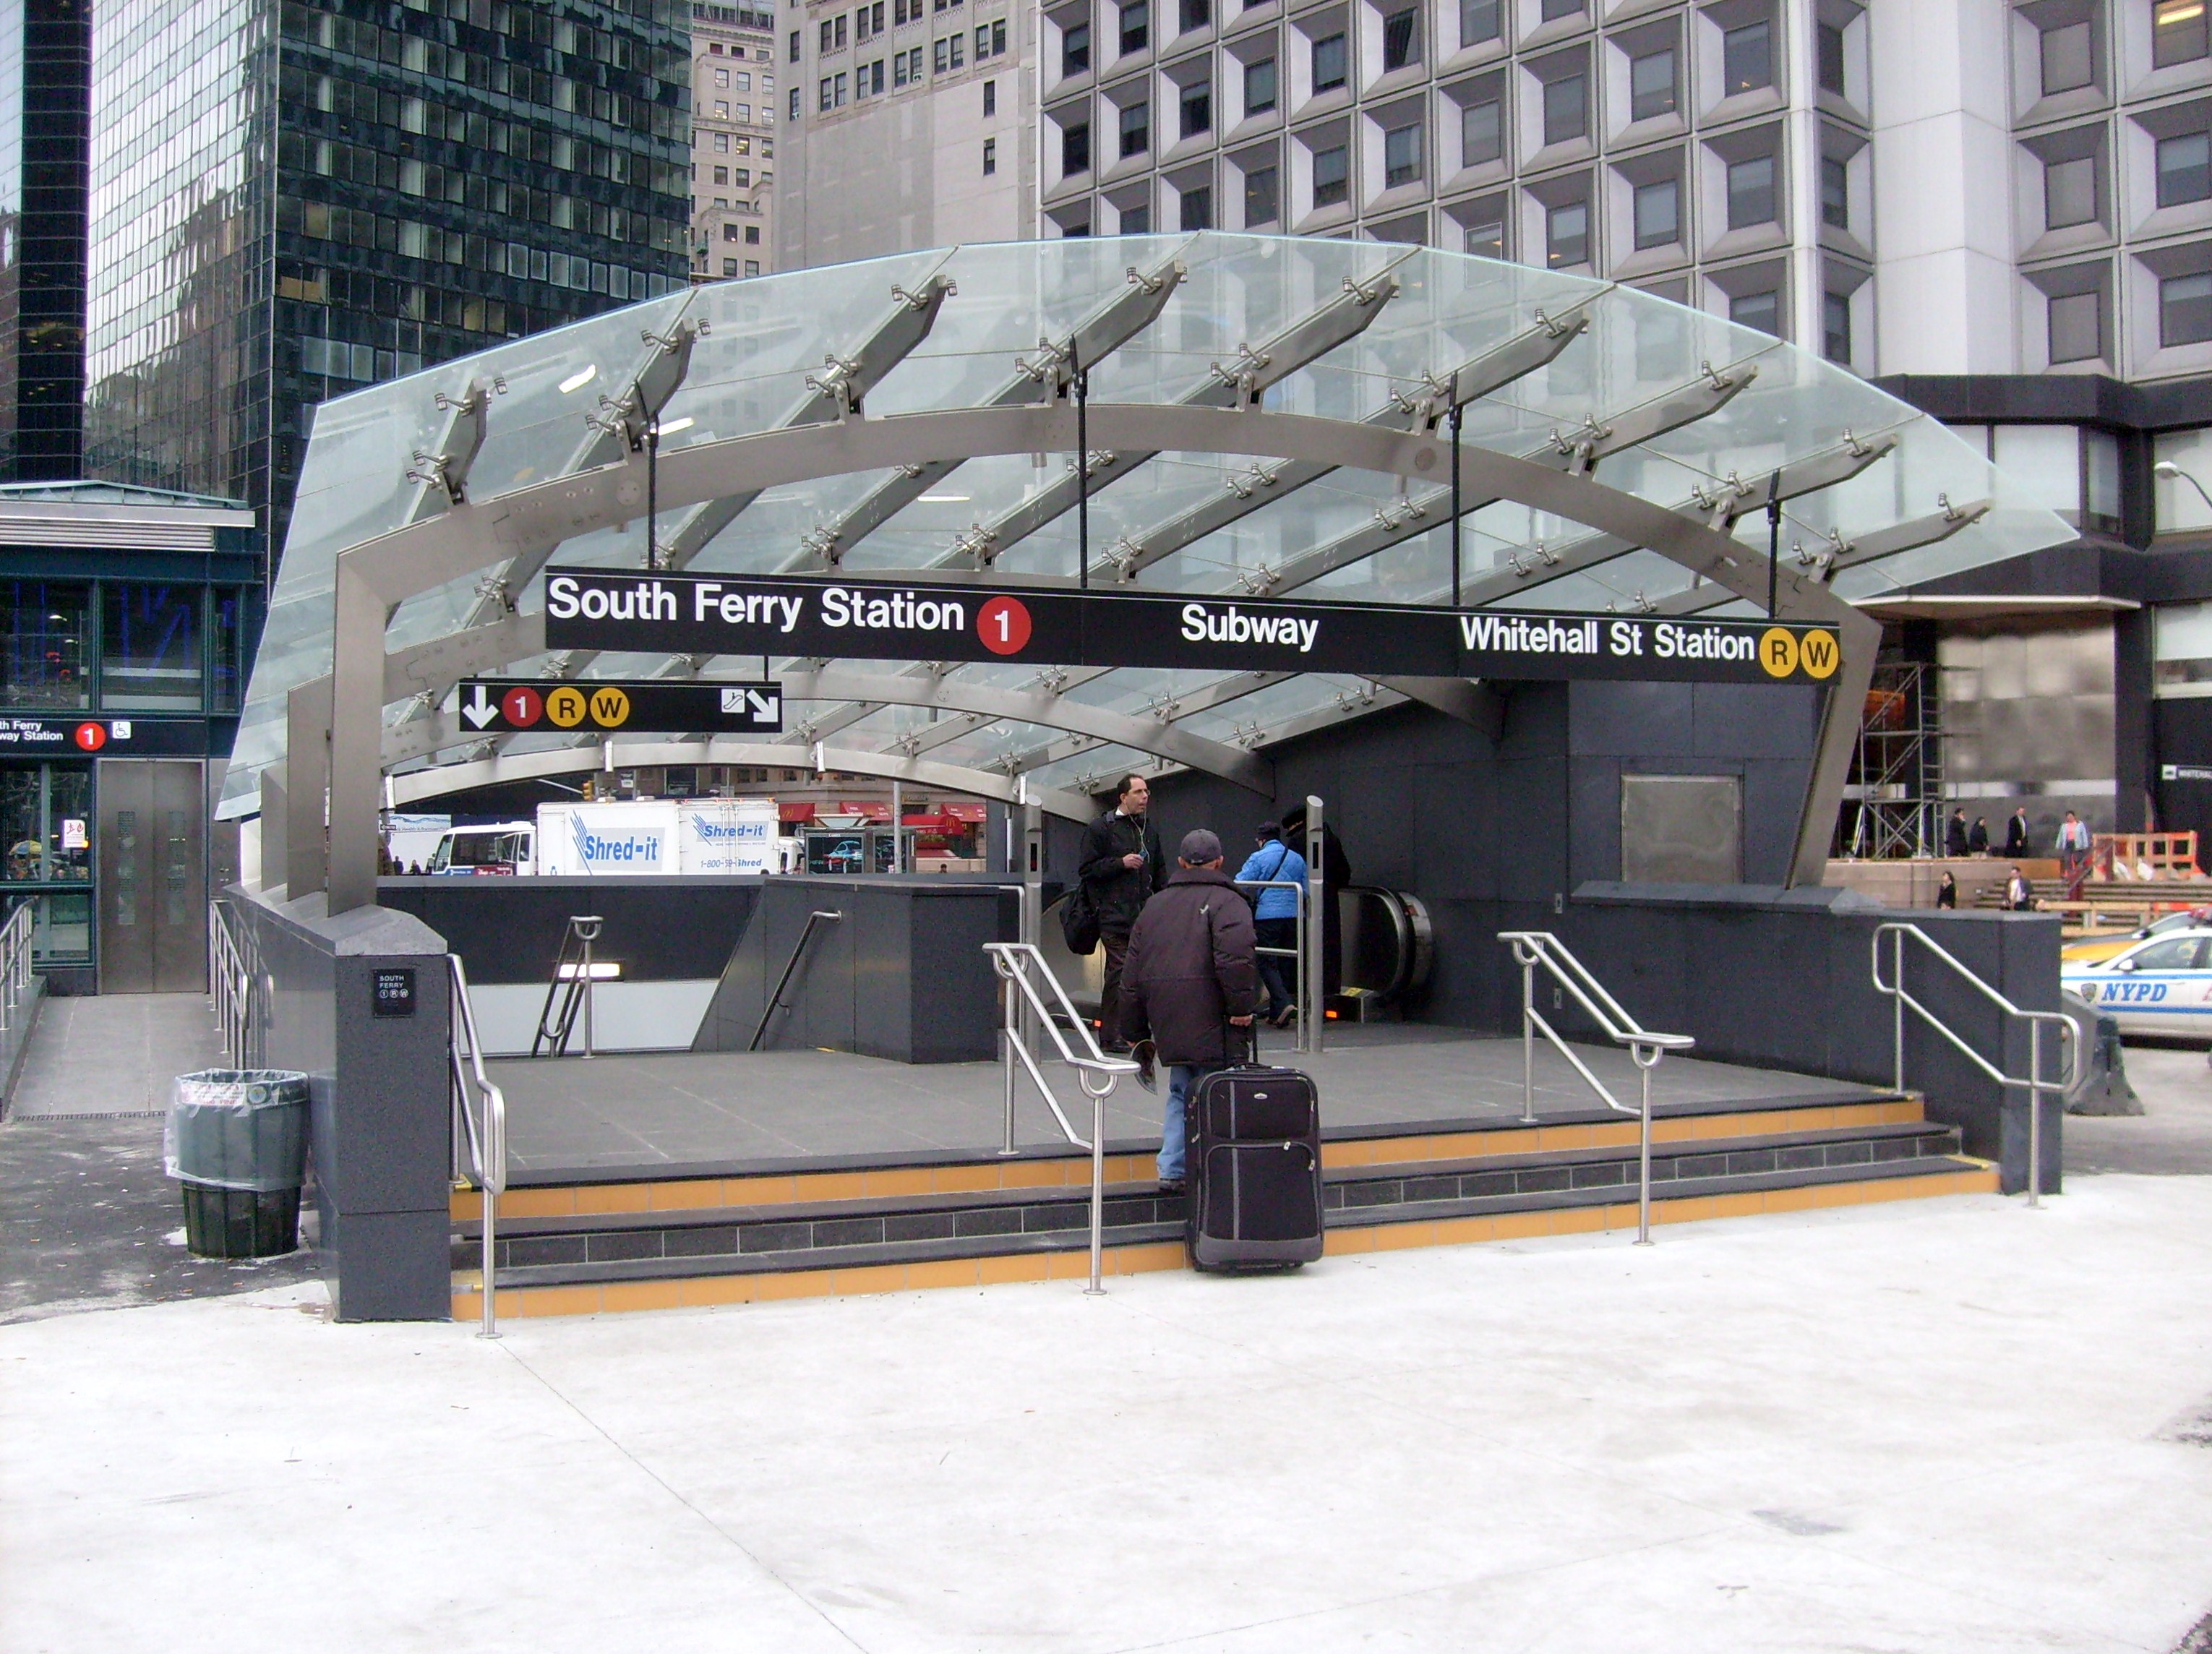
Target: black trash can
[(237, 1141)]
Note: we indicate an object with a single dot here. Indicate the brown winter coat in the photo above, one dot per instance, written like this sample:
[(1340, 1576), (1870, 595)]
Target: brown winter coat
[(1191, 967)]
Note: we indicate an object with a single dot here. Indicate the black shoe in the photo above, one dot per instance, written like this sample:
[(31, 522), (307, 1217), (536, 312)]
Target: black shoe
[(1284, 1017), (1171, 1185), (1145, 1052)]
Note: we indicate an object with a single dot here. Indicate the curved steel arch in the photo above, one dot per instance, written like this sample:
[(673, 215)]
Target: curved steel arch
[(419, 784), (373, 578)]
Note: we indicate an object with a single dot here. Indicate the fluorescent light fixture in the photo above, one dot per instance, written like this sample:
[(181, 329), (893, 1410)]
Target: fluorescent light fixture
[(945, 499), (603, 970), (577, 380), (673, 426)]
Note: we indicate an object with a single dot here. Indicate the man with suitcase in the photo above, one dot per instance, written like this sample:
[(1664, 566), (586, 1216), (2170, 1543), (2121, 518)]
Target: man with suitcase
[(1191, 972)]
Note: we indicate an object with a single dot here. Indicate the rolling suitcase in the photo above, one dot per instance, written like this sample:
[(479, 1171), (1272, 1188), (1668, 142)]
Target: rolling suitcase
[(1254, 1169)]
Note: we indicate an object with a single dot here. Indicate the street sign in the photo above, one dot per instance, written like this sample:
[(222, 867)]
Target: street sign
[(884, 620), (111, 737), (507, 706)]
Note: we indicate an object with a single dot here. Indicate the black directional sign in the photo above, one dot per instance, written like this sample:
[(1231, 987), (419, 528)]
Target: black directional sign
[(883, 620), (503, 706)]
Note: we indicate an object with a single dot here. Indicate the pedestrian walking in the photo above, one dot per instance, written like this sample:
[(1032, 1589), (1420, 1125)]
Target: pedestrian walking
[(1274, 915), (1122, 865), (1190, 973), (1978, 837), (2019, 895), (2016, 833), (2073, 845), (1947, 893), (1954, 834)]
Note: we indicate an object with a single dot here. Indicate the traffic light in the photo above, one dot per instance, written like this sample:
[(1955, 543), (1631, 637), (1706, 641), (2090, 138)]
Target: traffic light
[(591, 789)]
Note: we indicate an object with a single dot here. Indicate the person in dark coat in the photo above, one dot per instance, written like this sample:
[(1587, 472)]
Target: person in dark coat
[(1954, 834), (1192, 970), (1978, 841), (1122, 864), (1947, 893), (2016, 833)]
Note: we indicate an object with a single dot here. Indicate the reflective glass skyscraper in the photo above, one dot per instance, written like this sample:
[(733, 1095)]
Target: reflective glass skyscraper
[(290, 200), (45, 53)]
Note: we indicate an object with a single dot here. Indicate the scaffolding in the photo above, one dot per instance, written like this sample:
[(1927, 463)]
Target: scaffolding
[(1894, 803)]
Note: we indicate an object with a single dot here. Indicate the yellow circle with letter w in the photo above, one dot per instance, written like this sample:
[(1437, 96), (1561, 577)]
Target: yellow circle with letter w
[(610, 708)]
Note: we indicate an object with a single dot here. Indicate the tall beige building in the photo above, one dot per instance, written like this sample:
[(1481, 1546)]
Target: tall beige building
[(733, 95)]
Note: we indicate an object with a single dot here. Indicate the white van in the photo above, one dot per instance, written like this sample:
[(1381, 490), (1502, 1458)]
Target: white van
[(508, 847)]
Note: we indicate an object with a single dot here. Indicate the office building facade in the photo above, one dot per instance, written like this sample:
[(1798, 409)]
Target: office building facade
[(291, 200), (733, 99), (44, 93)]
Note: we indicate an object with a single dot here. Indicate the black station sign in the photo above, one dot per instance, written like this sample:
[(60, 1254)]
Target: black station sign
[(509, 705), (884, 620), (120, 738)]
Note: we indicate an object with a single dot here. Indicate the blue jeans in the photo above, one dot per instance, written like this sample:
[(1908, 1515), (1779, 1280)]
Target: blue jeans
[(1181, 1079)]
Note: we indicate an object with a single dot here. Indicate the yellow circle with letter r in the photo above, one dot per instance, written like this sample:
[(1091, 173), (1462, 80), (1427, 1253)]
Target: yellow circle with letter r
[(1820, 654), (565, 707), (1777, 651), (610, 708)]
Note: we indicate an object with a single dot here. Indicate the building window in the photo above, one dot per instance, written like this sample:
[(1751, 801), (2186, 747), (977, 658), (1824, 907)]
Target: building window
[(1262, 197), (1196, 13), (2184, 310), (721, 77), (1566, 235), (729, 267), (1197, 109), (990, 156), (2184, 168), (990, 99), (2178, 33), (2066, 55), (752, 266), (721, 175), (729, 232), (149, 649), (1137, 220), (1751, 193), (1401, 155), (1328, 63), (1136, 121), (1760, 310), (721, 109), (1651, 84), (1259, 86), (990, 40), (823, 95), (1484, 237), (1747, 58), (1835, 193), (1332, 170), (1075, 50), (1136, 26), (1478, 21), (1566, 109), (1836, 327), (793, 113), (1828, 45), (1555, 9), (1197, 210), (1481, 133), (1075, 147), (1401, 39), (1658, 212), (43, 646), (753, 235), (2077, 328), (794, 45), (2069, 193)]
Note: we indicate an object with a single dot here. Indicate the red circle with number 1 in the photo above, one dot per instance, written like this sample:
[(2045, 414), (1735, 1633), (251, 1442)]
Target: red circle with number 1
[(92, 736), (1004, 625), (521, 707)]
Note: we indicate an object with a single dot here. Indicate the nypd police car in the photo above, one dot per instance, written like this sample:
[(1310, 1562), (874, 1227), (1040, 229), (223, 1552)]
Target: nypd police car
[(2162, 985)]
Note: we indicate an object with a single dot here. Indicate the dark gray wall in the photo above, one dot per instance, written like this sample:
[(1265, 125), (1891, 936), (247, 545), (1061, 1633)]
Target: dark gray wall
[(1784, 979), (900, 973), (509, 930), (381, 1099), (1491, 837)]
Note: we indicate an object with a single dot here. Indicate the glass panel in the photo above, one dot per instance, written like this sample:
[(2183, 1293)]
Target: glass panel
[(2100, 481), (1260, 87), (48, 627), (1747, 58), (2183, 647), (46, 823), (61, 932), (2178, 33), (1651, 85), (2066, 58), (226, 651), (149, 649), (1658, 217), (2045, 465), (2178, 503), (1478, 21)]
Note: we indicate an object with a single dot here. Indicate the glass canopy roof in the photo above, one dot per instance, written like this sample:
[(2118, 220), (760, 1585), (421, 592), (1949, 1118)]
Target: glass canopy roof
[(1648, 397)]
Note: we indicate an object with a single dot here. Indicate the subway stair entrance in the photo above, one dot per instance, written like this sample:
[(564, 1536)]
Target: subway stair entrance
[(662, 1180)]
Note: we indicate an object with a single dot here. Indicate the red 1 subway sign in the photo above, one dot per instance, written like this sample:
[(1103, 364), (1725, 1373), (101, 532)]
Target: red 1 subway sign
[(884, 620)]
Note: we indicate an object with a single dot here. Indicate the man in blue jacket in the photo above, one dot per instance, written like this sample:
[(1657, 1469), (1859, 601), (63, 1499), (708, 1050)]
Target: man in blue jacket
[(1275, 915)]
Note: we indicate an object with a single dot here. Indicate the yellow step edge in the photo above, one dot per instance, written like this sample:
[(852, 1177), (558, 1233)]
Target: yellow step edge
[(615, 1296)]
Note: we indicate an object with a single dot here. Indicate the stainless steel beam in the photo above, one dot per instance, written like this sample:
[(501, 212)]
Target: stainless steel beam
[(1826, 557)]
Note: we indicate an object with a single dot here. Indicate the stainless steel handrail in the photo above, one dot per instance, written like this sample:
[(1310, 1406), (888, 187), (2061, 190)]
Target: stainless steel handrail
[(1900, 997), (485, 1142), (230, 986), (1306, 1012), (17, 937), (776, 1000), (1532, 948), (1014, 962)]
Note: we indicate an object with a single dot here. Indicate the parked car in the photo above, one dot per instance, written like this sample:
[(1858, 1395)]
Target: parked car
[(2091, 950), (2160, 985)]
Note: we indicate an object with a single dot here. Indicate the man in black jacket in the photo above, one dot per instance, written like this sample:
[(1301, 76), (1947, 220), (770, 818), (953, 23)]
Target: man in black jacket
[(1193, 968), (2016, 833), (1122, 864)]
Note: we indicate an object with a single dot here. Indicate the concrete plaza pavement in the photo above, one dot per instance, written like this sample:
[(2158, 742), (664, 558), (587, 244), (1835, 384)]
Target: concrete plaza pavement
[(1955, 1426)]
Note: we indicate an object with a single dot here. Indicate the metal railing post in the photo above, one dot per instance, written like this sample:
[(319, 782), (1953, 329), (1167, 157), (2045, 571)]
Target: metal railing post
[(1009, 1035), (1897, 1009), (1314, 1012), (1098, 1192), (1643, 1150), (2035, 1113), (1033, 906), (1527, 1043), (588, 930)]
